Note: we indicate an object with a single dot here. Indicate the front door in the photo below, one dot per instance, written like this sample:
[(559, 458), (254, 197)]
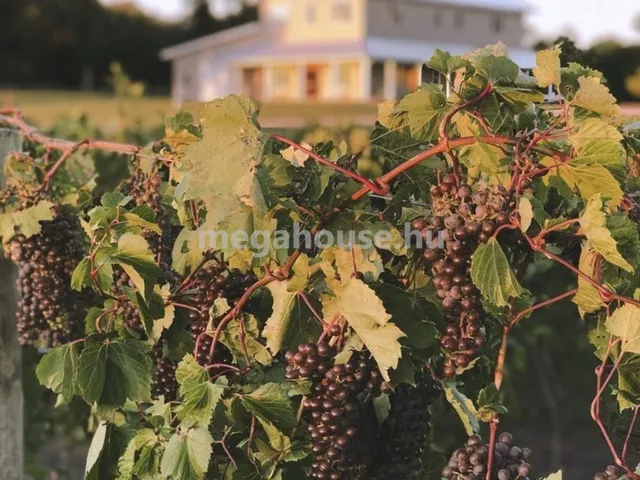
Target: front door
[(313, 81)]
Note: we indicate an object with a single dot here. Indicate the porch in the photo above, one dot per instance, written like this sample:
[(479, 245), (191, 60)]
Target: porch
[(356, 80)]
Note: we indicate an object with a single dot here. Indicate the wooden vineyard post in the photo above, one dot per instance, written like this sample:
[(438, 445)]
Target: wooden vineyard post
[(11, 400)]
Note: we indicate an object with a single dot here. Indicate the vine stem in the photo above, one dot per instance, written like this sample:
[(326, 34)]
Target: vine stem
[(623, 455), (348, 173), (537, 306), (493, 430), (502, 357), (63, 158)]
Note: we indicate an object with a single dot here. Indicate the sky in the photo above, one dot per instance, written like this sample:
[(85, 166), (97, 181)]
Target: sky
[(585, 20)]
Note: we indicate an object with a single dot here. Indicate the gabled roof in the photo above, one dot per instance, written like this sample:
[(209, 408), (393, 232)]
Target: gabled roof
[(214, 40), (504, 5)]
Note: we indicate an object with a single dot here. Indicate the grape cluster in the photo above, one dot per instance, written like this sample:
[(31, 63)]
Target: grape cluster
[(471, 462), (462, 218), (145, 190), (342, 422), (49, 313), (130, 315), (611, 473), (164, 378), (404, 433), (210, 284)]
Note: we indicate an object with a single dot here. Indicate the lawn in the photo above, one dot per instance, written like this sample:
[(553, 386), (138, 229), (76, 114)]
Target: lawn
[(45, 107)]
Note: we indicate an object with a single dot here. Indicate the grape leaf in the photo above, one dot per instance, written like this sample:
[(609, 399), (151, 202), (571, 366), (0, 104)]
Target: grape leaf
[(525, 210), (594, 96), (593, 222), (187, 454), (629, 383), (444, 63), (137, 260), (489, 403), (366, 314), (590, 180), (96, 446), (555, 476), (273, 409), (122, 365), (81, 277), (231, 145), (148, 462), (291, 322), (58, 369), (135, 220), (497, 70), (463, 406), (597, 142), (232, 339), (547, 69), (25, 221), (198, 394), (421, 112), (587, 298), (624, 323), (491, 273), (114, 200)]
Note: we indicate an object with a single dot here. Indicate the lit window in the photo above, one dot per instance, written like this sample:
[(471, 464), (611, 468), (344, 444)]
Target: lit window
[(341, 10), (437, 19), (498, 25), (310, 13), (459, 19)]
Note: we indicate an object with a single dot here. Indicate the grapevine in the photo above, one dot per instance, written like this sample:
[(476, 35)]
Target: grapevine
[(237, 360)]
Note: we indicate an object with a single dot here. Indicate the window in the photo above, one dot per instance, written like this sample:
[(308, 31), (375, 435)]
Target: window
[(310, 12), (394, 14), (458, 19), (341, 10), (498, 24), (344, 75), (437, 19)]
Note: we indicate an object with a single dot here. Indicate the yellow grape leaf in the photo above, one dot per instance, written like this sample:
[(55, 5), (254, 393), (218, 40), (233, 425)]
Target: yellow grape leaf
[(587, 299), (555, 476), (295, 156), (347, 261), (594, 96), (593, 223), (525, 210), (624, 323), (385, 111), (492, 274), (591, 180), (366, 314), (597, 142), (547, 70)]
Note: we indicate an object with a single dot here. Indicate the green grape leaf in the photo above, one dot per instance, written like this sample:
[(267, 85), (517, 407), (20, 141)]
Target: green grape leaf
[(136, 259), (148, 462), (594, 96), (421, 112), (275, 412), (593, 223), (134, 220), (291, 322), (624, 323), (188, 454), (382, 406), (414, 315), (150, 311), (366, 314), (463, 406), (525, 210), (587, 298), (629, 383), (122, 365), (114, 200), (487, 160), (547, 69), (519, 98), (491, 273), (26, 222), (198, 394), (444, 63), (81, 277), (489, 403), (232, 337), (58, 369), (497, 70)]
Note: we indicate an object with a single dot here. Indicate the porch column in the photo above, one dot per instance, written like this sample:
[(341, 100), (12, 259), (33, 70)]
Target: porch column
[(365, 79), (390, 79), (267, 82), (301, 82), (419, 73), (333, 81)]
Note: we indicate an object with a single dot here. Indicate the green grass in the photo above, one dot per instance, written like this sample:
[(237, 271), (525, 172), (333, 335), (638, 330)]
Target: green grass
[(46, 107)]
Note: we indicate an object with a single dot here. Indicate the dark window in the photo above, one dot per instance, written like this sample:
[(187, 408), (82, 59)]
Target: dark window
[(498, 24)]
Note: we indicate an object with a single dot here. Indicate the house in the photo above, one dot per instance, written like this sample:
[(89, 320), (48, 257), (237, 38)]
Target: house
[(341, 50)]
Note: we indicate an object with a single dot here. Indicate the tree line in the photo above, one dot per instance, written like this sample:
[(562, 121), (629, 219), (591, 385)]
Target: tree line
[(619, 64), (70, 44)]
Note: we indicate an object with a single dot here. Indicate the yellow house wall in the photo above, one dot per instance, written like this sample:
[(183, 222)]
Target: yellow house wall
[(325, 28)]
